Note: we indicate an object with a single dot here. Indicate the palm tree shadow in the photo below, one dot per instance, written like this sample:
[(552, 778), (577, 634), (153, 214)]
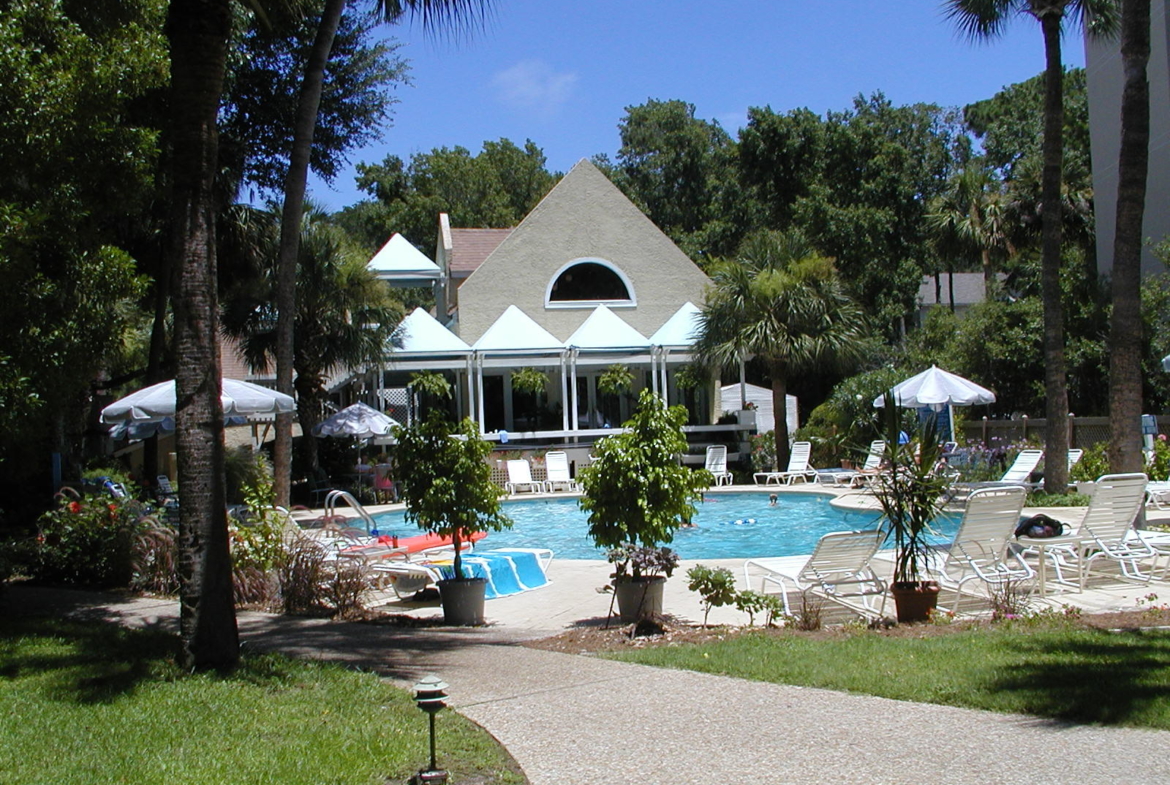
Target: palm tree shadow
[(1120, 678)]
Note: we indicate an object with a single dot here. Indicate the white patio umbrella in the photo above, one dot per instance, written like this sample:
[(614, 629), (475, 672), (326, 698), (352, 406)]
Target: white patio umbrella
[(358, 421), (936, 389), (157, 403)]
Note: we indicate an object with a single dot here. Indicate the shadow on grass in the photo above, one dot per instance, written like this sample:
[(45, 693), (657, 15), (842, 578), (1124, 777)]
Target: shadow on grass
[(117, 661), (1120, 678)]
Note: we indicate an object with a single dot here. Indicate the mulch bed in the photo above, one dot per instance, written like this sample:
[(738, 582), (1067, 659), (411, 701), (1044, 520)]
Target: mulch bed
[(591, 639)]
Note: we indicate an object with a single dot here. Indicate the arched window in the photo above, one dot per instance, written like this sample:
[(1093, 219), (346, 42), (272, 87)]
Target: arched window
[(587, 283)]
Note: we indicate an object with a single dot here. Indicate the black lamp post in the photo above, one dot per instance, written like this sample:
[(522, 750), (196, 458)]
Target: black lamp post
[(429, 694)]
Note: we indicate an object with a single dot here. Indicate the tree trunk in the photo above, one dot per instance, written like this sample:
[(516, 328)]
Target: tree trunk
[(1055, 381), (1125, 336), (198, 32), (778, 370), (304, 127), (309, 407)]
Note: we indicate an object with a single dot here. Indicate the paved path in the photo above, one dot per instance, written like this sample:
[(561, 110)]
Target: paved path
[(584, 721)]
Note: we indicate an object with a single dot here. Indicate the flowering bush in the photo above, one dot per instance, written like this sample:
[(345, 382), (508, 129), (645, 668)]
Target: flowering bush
[(764, 452), (641, 562), (87, 542)]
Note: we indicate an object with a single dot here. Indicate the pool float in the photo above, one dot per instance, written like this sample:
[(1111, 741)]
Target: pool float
[(424, 542)]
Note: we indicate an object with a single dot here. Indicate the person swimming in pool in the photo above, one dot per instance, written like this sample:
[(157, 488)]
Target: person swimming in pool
[(773, 500)]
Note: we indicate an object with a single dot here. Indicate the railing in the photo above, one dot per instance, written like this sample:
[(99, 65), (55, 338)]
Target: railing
[(1083, 431), (347, 497)]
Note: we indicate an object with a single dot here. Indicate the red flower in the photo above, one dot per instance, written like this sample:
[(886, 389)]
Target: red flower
[(113, 507), (75, 507)]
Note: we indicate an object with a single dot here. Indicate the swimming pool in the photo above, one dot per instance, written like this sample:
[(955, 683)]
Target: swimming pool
[(729, 526)]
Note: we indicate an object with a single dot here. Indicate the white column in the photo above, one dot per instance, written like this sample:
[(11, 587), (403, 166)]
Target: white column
[(479, 396), (742, 381), (470, 410), (564, 391), (575, 423), (653, 370)]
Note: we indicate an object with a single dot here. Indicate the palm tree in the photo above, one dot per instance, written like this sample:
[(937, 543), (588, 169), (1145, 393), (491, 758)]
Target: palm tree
[(970, 216), (1125, 337), (198, 33), (345, 318), (985, 19), (782, 302), (453, 13)]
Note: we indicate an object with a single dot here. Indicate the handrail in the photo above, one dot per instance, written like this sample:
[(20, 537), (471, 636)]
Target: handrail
[(347, 497)]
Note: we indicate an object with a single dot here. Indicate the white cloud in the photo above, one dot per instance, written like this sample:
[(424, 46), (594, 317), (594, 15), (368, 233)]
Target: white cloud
[(533, 85)]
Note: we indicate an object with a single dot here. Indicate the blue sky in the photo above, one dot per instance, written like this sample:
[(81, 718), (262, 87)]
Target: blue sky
[(562, 73)]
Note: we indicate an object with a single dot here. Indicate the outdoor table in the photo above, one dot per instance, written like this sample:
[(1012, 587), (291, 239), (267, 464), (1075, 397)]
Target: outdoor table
[(1041, 545)]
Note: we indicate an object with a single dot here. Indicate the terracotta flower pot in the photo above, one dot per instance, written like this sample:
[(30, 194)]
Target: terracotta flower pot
[(915, 600)]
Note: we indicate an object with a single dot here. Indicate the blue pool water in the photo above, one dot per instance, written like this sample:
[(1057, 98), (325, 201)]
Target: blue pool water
[(729, 526)]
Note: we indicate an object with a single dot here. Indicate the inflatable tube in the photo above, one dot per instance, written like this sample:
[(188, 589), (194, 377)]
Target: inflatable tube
[(424, 542)]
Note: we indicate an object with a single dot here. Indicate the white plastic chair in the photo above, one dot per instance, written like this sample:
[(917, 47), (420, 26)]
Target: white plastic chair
[(520, 477), (556, 464), (798, 468), (838, 567), (980, 548), (716, 463)]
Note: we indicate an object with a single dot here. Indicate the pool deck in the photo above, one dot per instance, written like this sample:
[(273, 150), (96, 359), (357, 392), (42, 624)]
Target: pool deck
[(572, 597), (589, 721)]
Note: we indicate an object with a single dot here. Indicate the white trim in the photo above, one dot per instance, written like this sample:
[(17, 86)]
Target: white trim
[(631, 302)]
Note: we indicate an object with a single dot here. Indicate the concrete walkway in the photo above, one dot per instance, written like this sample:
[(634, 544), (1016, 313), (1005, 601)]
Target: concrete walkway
[(586, 721)]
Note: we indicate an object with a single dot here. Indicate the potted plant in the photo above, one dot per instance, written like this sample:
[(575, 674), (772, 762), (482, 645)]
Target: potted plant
[(910, 493), (637, 494), (445, 480)]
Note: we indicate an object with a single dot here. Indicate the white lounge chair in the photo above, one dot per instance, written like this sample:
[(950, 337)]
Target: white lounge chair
[(980, 548), (1109, 534), (1105, 531), (520, 477), (868, 471), (838, 569), (717, 464), (798, 468), (557, 466)]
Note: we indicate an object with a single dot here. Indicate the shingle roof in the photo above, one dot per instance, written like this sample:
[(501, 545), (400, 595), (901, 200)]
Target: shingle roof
[(469, 247)]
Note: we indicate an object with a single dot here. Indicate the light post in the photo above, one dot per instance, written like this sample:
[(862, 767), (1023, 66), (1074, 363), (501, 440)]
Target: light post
[(429, 694)]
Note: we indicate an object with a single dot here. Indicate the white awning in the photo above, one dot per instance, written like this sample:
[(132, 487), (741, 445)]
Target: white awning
[(604, 330), (421, 333), (679, 330), (515, 331), (400, 262)]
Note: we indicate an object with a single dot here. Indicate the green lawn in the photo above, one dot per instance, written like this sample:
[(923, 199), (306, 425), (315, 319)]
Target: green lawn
[(1045, 668), (95, 703)]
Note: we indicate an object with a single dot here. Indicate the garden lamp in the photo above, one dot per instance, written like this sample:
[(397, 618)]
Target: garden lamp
[(429, 694)]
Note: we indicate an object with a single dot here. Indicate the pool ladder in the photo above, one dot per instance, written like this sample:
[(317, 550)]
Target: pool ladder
[(345, 496)]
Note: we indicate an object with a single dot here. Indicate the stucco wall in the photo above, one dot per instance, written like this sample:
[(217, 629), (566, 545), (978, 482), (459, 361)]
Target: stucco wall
[(584, 216)]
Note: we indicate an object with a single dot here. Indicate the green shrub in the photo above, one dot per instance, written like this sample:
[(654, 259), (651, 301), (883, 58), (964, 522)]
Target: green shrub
[(86, 542), (716, 587), (1093, 464)]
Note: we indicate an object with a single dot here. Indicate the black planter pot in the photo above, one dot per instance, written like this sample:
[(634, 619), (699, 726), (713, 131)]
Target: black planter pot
[(463, 601)]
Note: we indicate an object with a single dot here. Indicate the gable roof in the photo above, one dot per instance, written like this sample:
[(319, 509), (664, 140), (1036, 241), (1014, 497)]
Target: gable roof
[(516, 331), (604, 329), (681, 329), (421, 333), (469, 247), (398, 260)]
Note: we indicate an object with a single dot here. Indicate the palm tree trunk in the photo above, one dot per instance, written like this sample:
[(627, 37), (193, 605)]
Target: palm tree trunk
[(304, 127), (1055, 381), (309, 407), (1125, 337), (778, 370), (198, 32)]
